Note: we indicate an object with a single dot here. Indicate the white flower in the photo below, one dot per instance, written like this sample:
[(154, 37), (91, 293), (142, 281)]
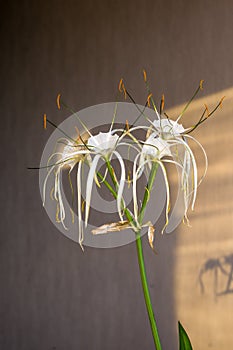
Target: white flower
[(73, 152), (153, 151), (168, 128), (177, 138), (103, 145), (155, 147), (168, 144)]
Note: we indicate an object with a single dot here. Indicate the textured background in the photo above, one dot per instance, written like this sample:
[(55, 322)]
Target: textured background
[(53, 296)]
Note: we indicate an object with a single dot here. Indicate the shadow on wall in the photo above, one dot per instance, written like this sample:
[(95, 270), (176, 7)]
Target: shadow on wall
[(222, 266)]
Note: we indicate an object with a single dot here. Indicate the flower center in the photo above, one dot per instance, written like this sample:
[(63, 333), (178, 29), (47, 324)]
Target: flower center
[(156, 147), (103, 143), (168, 128)]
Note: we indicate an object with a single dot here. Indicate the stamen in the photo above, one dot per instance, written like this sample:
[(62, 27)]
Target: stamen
[(207, 110), (148, 99), (124, 90), (45, 122), (120, 85), (58, 101), (83, 205), (127, 125), (144, 75), (121, 88), (201, 84), (162, 104)]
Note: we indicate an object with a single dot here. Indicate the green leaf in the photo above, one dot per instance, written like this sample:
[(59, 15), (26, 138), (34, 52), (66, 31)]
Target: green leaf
[(185, 343)]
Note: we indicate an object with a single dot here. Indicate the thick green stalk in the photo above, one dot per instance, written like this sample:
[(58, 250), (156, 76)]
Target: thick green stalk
[(139, 245), (114, 193), (141, 259), (147, 293), (147, 191)]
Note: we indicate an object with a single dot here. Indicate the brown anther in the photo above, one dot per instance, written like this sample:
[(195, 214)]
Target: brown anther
[(124, 90), (58, 101), (144, 75), (120, 85), (45, 122), (207, 110), (127, 125), (201, 84), (162, 102), (148, 100), (82, 206)]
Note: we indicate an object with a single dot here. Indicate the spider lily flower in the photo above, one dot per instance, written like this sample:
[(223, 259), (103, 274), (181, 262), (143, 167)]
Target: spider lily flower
[(74, 152), (89, 149), (103, 145), (167, 143), (177, 138), (153, 150), (168, 128)]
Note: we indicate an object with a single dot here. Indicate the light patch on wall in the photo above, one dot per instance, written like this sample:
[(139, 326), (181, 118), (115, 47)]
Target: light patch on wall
[(204, 253)]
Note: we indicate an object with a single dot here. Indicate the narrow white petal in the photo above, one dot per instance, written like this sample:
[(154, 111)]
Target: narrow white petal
[(135, 204), (121, 184), (194, 174), (79, 187), (167, 192), (60, 202), (56, 184), (45, 183), (205, 156), (90, 179), (194, 166)]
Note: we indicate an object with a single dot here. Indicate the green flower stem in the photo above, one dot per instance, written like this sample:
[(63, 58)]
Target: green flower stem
[(115, 183), (147, 293), (147, 191), (141, 259), (139, 243), (114, 193)]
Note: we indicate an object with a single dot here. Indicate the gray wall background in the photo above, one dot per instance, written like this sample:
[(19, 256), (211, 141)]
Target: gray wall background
[(52, 295)]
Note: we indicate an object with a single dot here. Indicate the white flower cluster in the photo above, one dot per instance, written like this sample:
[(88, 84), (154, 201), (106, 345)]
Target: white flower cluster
[(166, 142)]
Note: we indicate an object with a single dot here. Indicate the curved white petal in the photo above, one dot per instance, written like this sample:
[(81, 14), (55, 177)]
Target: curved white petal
[(167, 192), (135, 204), (194, 166), (90, 179), (45, 183), (121, 184), (79, 200), (60, 202), (205, 156)]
